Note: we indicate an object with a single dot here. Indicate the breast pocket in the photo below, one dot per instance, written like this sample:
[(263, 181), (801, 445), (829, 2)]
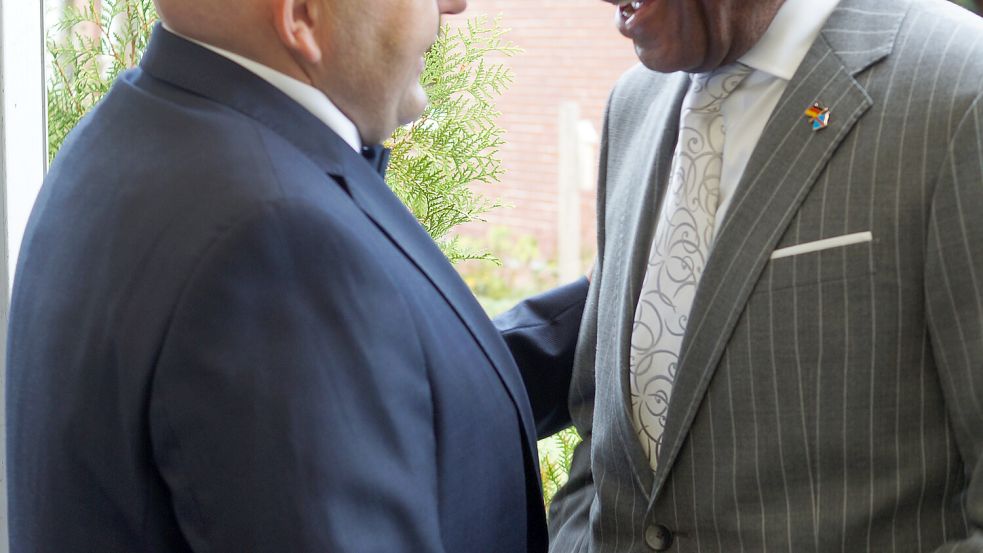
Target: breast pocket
[(829, 260)]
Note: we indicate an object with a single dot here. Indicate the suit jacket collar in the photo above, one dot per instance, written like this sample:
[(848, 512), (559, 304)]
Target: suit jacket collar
[(783, 168), (196, 69), (304, 94)]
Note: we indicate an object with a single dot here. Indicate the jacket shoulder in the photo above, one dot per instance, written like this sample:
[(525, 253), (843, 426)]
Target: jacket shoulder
[(944, 39)]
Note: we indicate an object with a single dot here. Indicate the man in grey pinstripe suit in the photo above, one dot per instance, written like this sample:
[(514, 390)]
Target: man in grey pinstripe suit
[(827, 391)]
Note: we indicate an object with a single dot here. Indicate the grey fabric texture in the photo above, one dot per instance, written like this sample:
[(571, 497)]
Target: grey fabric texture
[(826, 401)]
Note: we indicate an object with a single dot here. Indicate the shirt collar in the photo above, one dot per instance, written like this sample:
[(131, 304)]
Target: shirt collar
[(312, 99), (789, 37)]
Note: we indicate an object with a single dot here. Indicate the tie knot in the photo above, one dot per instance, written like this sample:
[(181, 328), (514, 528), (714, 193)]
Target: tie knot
[(377, 157), (709, 90)]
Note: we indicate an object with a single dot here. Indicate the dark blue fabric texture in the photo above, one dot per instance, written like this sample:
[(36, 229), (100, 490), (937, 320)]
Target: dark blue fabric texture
[(228, 335)]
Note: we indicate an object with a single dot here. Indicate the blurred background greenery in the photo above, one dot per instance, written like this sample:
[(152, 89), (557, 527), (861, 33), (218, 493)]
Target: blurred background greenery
[(972, 5)]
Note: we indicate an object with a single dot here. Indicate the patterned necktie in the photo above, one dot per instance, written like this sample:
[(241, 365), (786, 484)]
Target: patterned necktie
[(683, 236)]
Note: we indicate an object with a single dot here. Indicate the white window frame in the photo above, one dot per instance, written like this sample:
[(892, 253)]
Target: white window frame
[(23, 162)]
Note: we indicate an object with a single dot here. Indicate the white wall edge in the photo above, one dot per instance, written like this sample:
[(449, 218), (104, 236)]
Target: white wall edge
[(23, 160)]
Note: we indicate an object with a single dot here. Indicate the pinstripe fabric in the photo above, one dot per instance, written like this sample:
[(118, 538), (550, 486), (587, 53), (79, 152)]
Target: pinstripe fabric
[(830, 401)]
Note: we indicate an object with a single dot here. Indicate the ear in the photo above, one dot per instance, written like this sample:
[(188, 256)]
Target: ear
[(295, 22)]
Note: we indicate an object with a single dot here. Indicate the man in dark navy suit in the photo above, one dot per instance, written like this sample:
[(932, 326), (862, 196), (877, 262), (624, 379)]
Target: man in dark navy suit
[(227, 335)]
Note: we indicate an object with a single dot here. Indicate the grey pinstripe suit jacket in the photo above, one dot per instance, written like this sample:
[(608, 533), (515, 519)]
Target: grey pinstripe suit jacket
[(829, 401)]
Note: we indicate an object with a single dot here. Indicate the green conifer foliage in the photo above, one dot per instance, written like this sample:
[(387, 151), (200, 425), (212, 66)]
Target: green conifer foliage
[(90, 46), (435, 161), (455, 143), (555, 459)]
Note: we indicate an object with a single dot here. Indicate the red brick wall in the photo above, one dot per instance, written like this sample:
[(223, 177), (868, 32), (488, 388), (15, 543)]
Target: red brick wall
[(572, 51)]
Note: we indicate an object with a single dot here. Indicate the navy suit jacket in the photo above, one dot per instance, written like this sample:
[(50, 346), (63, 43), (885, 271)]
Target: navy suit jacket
[(227, 335)]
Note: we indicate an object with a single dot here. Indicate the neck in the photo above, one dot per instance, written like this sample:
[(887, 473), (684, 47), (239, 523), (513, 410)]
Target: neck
[(263, 51)]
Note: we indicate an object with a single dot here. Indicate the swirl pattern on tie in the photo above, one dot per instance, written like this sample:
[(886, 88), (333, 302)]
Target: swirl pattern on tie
[(683, 237)]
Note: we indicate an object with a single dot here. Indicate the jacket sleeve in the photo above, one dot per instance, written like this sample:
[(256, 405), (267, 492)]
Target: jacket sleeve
[(541, 333), (290, 407), (954, 304)]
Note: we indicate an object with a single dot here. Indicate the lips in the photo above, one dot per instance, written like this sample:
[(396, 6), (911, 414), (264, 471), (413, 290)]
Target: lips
[(629, 7), (630, 14)]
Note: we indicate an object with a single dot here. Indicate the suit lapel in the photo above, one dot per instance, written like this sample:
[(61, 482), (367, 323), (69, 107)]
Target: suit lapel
[(379, 204), (783, 168), (642, 160)]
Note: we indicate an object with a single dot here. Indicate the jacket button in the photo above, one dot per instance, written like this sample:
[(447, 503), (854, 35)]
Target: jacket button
[(658, 537)]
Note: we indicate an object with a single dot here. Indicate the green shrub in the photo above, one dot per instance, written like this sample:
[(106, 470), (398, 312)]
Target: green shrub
[(91, 46), (555, 457), (439, 158)]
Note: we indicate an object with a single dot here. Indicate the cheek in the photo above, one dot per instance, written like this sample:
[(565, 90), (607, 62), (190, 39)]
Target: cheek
[(679, 24), (693, 26)]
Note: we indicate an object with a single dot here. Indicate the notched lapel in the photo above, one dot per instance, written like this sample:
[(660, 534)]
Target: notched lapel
[(783, 168), (863, 32)]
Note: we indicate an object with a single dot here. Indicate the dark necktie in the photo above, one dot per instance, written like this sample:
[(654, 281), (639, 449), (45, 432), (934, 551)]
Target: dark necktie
[(378, 157)]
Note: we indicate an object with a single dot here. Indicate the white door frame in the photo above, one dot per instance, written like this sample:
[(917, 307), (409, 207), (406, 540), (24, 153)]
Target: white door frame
[(23, 160)]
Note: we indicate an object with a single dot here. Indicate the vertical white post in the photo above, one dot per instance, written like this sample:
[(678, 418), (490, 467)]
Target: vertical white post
[(24, 137), (588, 143), (568, 193), (23, 157), (578, 142)]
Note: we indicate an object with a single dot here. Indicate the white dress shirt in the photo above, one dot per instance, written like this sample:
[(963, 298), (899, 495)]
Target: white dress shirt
[(774, 59), (312, 99)]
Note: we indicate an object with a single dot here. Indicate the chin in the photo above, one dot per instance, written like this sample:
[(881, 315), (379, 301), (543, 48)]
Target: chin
[(691, 59), (413, 105), (661, 65), (658, 59), (408, 116), (658, 65)]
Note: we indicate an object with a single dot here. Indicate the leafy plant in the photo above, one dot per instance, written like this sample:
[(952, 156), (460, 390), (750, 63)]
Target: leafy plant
[(454, 145), (555, 458), (435, 161), (101, 40)]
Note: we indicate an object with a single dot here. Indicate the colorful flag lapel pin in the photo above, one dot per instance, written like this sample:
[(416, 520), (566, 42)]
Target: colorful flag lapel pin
[(818, 116)]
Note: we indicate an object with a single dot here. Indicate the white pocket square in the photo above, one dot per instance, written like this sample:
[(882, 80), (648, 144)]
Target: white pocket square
[(818, 245)]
